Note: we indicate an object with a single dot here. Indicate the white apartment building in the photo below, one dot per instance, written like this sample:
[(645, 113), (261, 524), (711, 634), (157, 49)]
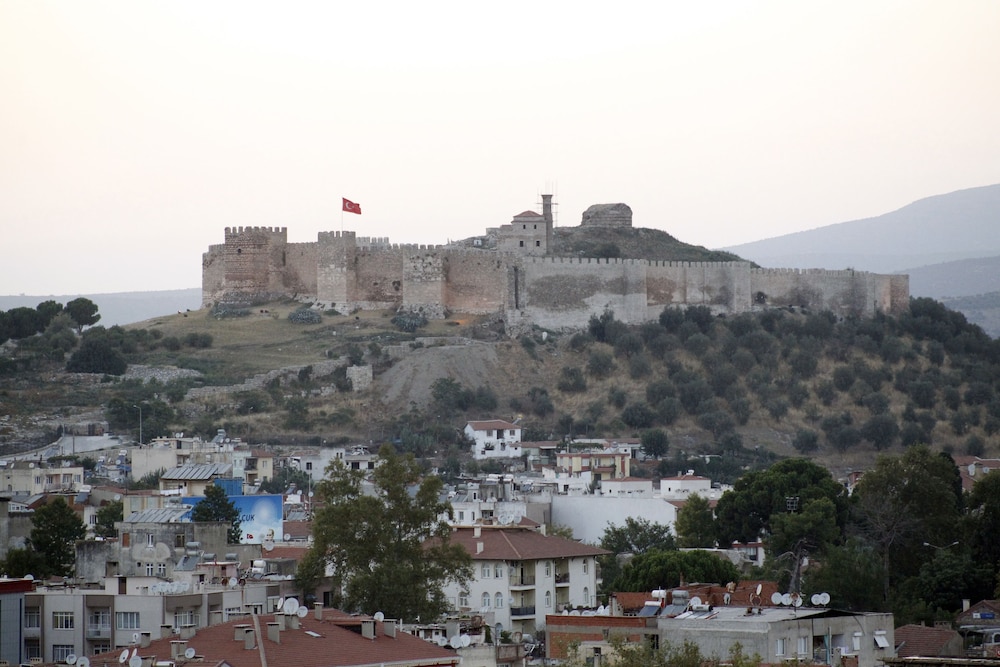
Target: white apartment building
[(494, 439)]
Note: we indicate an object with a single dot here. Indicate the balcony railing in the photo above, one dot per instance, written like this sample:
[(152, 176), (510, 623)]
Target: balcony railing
[(522, 580), (562, 578), (522, 611), (98, 632)]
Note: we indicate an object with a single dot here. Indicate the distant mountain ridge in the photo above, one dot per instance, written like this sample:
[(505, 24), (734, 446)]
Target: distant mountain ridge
[(943, 228), (122, 307)]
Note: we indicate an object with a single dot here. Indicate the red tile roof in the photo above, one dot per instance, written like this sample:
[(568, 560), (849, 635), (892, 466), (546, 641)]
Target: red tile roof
[(921, 640), (336, 641), (518, 543)]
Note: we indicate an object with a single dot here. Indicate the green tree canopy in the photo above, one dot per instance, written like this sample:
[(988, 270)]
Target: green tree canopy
[(667, 569), (745, 513), (83, 311), (54, 533), (390, 551), (216, 506), (637, 536), (695, 524), (107, 516)]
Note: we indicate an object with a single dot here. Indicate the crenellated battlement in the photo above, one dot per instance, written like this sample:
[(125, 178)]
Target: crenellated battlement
[(518, 280)]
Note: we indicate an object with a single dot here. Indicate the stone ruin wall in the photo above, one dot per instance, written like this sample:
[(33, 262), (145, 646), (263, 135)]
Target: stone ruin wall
[(345, 271)]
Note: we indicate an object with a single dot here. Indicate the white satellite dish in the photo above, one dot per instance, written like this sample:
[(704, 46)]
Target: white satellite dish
[(189, 653), (786, 599), (824, 599), (29, 577), (302, 612), (287, 537), (83, 661), (760, 587), (233, 582), (135, 661), (695, 601), (466, 640), (123, 657), (776, 598), (71, 659), (440, 640), (135, 638), (379, 616), (814, 599), (797, 601), (291, 606), (455, 642), (268, 545)]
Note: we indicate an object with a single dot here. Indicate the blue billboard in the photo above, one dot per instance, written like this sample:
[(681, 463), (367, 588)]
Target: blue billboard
[(260, 516)]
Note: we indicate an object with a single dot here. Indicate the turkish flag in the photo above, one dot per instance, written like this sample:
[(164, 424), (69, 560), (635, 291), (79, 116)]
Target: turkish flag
[(351, 207)]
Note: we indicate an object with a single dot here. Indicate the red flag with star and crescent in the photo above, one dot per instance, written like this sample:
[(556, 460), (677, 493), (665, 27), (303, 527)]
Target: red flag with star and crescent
[(351, 207)]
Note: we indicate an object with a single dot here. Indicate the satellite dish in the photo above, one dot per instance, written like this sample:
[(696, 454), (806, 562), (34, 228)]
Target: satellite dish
[(379, 616), (234, 582), (291, 606), (135, 661), (118, 496), (123, 657), (466, 640), (776, 598), (189, 653), (814, 599), (83, 661), (695, 601), (786, 599), (268, 545), (135, 638), (759, 588), (440, 640), (797, 601), (71, 659), (302, 612), (455, 642), (287, 537), (824, 599), (29, 577)]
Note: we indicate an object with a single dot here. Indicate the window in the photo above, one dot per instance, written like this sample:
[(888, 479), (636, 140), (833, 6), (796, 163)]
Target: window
[(586, 596), (802, 648), (856, 642), (150, 540), (463, 599), (486, 600), (96, 648), (32, 617), (548, 568), (486, 570), (538, 244), (62, 620), (548, 599), (127, 620), (586, 565), (161, 569), (779, 647), (182, 618), (880, 639), (520, 243), (309, 465), (498, 571), (149, 569), (60, 651), (498, 601)]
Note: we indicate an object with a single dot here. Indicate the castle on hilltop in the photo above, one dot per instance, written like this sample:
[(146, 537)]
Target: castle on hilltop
[(511, 272)]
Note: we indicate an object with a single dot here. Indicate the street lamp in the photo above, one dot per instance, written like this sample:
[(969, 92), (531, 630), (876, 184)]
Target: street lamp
[(934, 546), (140, 422)]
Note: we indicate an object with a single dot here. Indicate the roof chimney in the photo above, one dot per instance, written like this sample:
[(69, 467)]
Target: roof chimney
[(240, 630), (368, 629), (389, 629), (248, 639), (144, 639), (177, 648), (293, 621), (279, 620), (166, 630), (274, 632), (318, 610)]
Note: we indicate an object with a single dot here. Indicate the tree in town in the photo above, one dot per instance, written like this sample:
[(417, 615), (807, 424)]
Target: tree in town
[(21, 561), (216, 506), (695, 524), (83, 311), (284, 478), (658, 569), (635, 536), (389, 550), (655, 443), (106, 517), (54, 533)]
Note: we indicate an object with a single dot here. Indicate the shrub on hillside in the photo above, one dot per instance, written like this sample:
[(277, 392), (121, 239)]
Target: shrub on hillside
[(305, 316), (409, 322)]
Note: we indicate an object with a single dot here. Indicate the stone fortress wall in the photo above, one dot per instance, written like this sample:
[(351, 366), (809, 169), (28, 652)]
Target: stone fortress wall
[(511, 273)]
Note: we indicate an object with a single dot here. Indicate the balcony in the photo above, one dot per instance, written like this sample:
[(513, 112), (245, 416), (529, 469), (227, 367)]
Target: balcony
[(98, 632), (562, 579), (522, 580), (522, 611)]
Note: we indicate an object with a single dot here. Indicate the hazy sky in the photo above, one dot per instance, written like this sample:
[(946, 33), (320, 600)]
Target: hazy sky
[(132, 133)]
